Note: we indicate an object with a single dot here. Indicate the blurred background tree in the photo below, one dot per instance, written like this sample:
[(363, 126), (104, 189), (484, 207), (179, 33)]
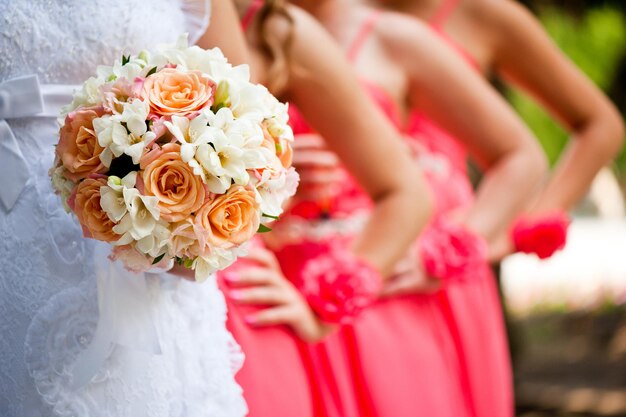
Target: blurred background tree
[(593, 34)]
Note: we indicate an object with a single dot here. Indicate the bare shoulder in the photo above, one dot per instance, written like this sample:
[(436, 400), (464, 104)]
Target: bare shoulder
[(501, 19), (400, 33), (393, 28)]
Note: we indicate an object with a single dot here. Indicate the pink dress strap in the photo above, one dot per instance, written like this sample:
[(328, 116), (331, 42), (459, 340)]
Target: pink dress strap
[(364, 31), (253, 9), (438, 21), (443, 12)]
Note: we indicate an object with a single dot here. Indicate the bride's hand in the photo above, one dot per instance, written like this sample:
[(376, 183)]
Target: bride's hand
[(263, 284), (183, 272)]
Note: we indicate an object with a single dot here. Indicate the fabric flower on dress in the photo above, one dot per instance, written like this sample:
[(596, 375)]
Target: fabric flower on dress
[(338, 285), (450, 251), (542, 236)]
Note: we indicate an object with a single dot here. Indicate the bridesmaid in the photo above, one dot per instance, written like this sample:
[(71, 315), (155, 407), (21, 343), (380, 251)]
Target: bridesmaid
[(502, 38), (279, 39), (399, 357)]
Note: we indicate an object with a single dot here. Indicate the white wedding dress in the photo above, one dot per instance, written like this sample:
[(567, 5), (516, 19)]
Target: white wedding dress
[(80, 336)]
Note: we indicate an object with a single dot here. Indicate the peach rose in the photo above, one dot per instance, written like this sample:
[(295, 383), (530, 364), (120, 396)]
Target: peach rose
[(230, 218), (78, 148), (172, 181), (86, 204), (175, 92), (184, 240)]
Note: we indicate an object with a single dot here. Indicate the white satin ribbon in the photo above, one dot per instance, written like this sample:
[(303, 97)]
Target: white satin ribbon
[(23, 97), (126, 317)]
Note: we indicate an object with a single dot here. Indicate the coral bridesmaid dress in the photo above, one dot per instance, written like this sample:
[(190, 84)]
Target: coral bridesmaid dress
[(398, 358), (390, 341)]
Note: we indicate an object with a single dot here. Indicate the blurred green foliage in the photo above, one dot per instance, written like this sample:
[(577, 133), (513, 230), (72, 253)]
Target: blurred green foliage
[(596, 43)]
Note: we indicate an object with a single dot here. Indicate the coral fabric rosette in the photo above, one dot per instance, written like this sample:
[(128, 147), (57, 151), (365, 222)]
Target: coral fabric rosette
[(450, 251), (338, 285), (174, 154), (542, 235)]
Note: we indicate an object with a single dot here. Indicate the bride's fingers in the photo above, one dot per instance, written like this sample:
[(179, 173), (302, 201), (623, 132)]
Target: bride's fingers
[(259, 296), (272, 316), (183, 272)]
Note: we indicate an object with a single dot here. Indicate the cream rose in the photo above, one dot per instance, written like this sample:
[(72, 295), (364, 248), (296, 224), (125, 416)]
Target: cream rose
[(230, 218), (172, 91), (78, 148), (184, 242), (170, 179), (86, 205)]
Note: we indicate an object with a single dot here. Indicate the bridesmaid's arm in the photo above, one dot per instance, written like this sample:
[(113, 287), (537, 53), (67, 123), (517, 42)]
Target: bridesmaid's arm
[(528, 58), (225, 32), (452, 94), (324, 88)]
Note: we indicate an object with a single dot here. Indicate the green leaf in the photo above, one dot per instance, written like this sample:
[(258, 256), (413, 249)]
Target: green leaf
[(188, 263), (263, 229), (125, 59), (158, 259), (152, 71), (269, 216)]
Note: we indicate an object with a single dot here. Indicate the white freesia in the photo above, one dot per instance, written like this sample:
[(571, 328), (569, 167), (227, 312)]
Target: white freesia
[(211, 62), (190, 134), (155, 243), (218, 259), (273, 193), (112, 195), (245, 133), (88, 95), (115, 137), (136, 215), (130, 70), (223, 161)]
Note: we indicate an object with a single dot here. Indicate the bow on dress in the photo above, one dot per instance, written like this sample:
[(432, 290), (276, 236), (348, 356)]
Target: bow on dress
[(20, 97)]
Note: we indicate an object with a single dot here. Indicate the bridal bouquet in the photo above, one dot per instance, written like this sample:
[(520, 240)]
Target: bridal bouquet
[(174, 155)]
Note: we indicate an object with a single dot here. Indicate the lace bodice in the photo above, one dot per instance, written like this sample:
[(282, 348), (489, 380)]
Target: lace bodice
[(62, 41), (48, 288)]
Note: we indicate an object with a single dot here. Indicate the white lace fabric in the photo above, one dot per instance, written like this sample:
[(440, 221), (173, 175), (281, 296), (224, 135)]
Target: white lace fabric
[(48, 293)]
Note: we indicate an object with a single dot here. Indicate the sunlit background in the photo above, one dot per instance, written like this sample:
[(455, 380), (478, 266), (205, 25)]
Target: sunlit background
[(567, 315)]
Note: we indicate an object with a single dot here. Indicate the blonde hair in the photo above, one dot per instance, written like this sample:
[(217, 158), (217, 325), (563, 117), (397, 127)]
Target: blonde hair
[(275, 46)]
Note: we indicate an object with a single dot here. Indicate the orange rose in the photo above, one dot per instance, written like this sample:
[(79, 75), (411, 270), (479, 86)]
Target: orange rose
[(78, 148), (230, 218), (86, 204), (175, 92), (172, 181)]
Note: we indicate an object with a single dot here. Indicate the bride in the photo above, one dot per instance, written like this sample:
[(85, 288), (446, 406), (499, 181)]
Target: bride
[(78, 336)]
